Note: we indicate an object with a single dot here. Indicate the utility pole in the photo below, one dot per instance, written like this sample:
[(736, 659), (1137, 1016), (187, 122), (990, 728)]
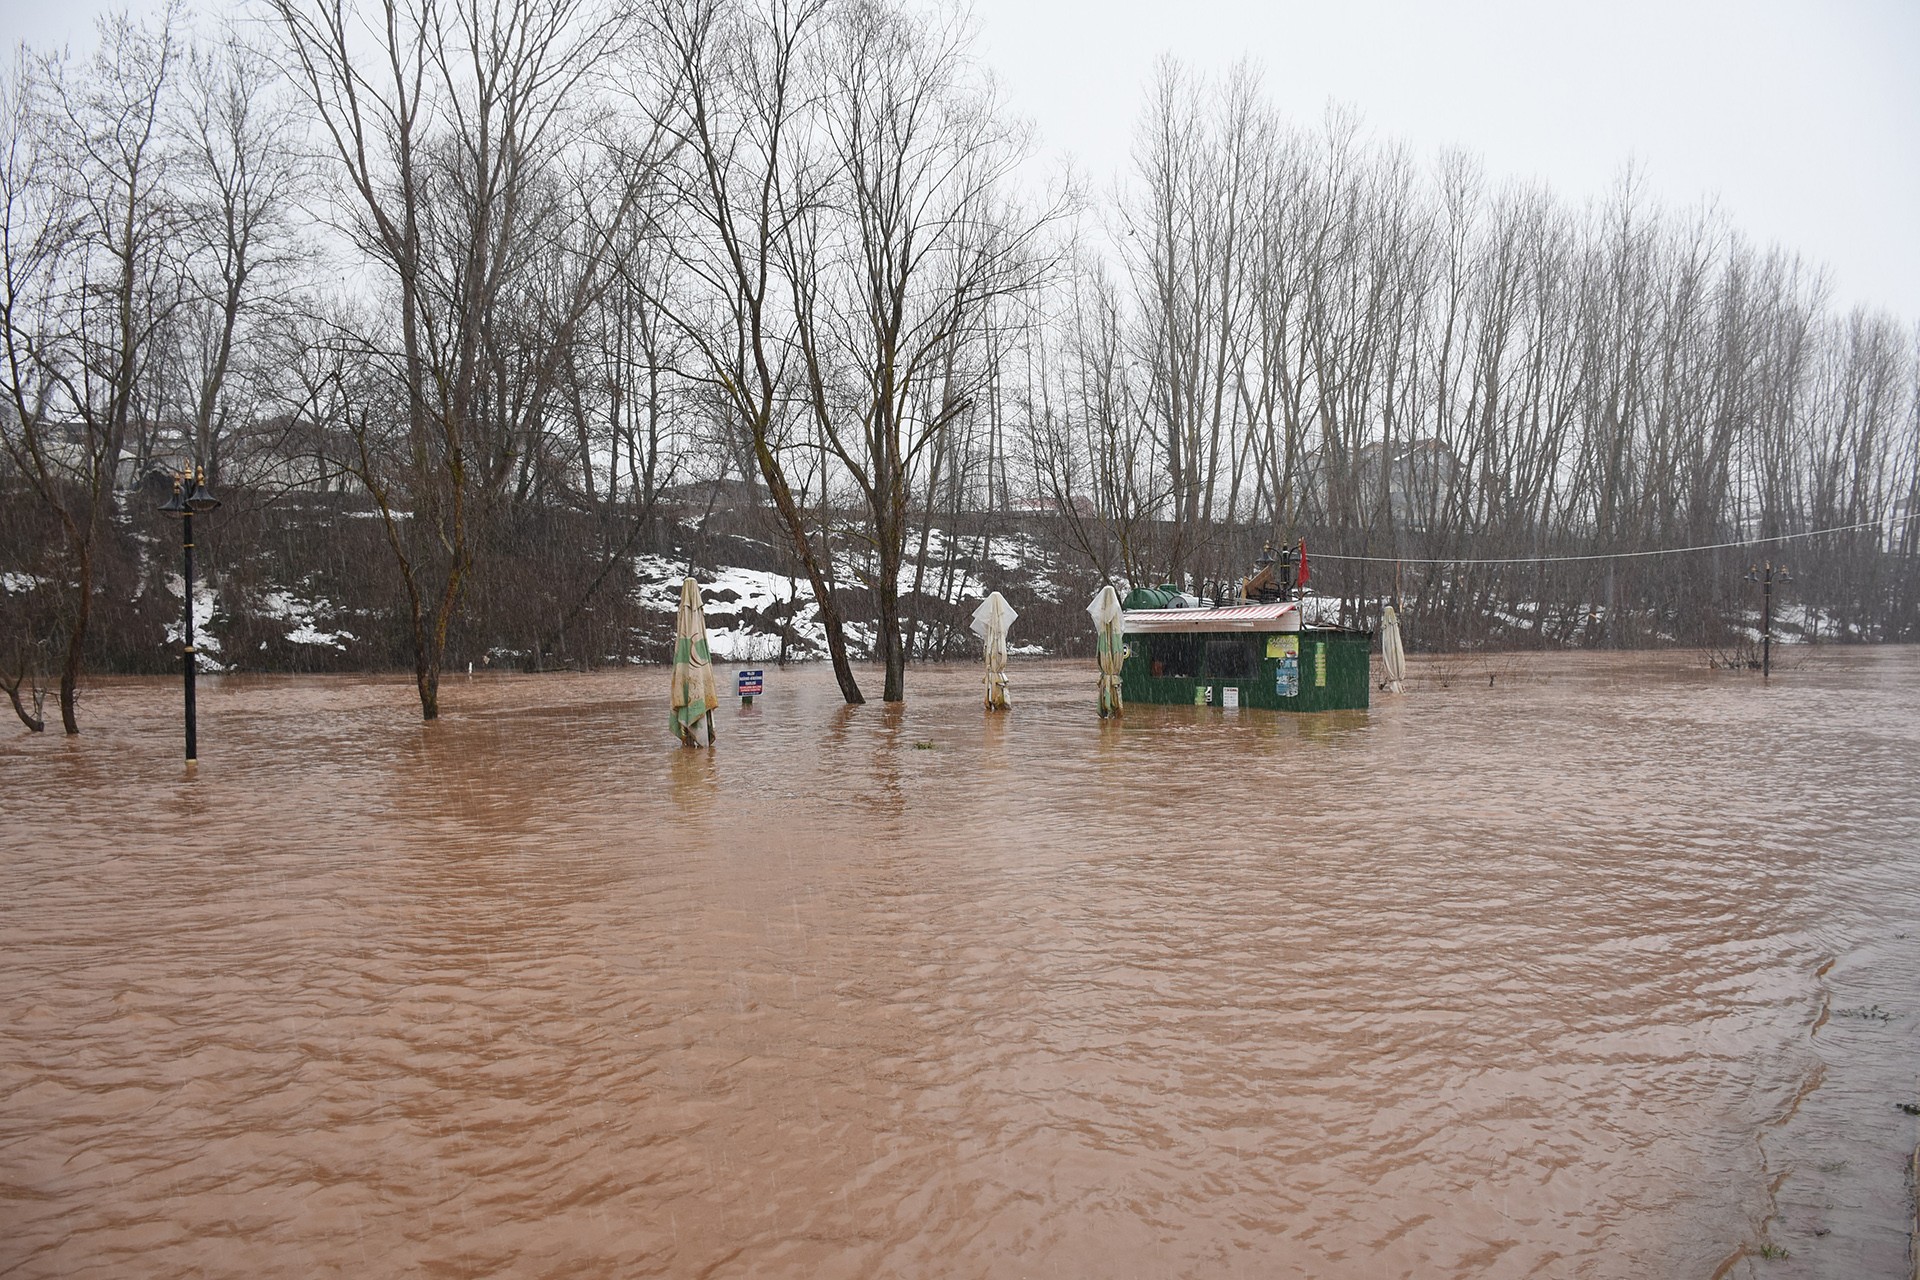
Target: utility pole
[(1766, 576)]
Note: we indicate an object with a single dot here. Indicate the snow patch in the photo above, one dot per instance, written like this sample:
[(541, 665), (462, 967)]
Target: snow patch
[(743, 646), (204, 642), (952, 584), (728, 594), (747, 608), (283, 605), (1319, 611)]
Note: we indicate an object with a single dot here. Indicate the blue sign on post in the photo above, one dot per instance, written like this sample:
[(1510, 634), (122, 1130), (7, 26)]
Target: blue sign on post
[(749, 684)]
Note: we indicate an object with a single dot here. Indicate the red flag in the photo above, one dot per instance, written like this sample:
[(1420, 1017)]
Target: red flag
[(1300, 579)]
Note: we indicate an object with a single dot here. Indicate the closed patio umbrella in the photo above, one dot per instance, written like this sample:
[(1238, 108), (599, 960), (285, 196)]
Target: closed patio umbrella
[(1392, 656), (990, 622), (1109, 646), (693, 696)]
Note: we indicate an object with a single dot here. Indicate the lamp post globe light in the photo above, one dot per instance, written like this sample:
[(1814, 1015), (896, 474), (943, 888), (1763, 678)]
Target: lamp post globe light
[(191, 498)]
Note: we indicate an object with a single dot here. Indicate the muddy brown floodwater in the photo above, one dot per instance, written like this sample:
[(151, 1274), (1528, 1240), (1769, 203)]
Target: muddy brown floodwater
[(1610, 970)]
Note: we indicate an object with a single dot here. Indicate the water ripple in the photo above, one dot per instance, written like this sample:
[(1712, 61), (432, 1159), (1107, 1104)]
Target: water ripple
[(1608, 972)]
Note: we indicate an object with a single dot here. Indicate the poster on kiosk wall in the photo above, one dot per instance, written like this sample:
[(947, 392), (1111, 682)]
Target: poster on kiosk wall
[(1286, 651)]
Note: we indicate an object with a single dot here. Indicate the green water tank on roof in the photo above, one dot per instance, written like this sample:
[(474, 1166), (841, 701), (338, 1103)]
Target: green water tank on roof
[(1150, 597)]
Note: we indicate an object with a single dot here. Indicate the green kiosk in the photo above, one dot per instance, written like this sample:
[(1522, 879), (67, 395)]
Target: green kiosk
[(1245, 655)]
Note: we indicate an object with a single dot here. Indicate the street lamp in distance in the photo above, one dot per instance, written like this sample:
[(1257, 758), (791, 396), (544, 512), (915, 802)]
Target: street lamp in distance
[(1766, 575), (191, 498)]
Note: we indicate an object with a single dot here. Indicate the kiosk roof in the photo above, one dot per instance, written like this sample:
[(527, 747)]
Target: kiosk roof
[(1283, 616)]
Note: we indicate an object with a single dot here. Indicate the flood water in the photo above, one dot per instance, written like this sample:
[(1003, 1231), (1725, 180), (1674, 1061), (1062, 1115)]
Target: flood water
[(1609, 970)]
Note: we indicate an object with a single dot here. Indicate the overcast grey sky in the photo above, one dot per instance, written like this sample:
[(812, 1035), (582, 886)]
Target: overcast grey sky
[(1801, 117)]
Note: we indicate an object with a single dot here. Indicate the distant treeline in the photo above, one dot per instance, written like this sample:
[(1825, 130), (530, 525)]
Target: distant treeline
[(506, 276)]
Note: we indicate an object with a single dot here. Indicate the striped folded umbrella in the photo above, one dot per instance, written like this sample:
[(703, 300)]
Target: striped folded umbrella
[(991, 622), (693, 696), (1110, 646), (1393, 655)]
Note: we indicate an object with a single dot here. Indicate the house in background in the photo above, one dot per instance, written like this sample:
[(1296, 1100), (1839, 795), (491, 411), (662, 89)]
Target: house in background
[(1415, 477)]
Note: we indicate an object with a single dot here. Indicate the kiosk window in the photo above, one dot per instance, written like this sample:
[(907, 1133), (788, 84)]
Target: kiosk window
[(1172, 655), (1234, 659)]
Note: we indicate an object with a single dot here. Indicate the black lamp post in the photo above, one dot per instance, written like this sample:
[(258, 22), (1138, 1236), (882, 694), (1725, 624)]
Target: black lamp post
[(191, 497), (1262, 563), (1766, 576)]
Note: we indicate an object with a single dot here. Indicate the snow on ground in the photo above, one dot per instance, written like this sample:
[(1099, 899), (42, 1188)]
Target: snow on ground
[(729, 593), (756, 589), (659, 582), (285, 606), (734, 591), (19, 583), (1808, 621), (745, 605), (1044, 587), (1016, 552), (1319, 611), (745, 646), (204, 641), (956, 582), (1518, 621), (952, 585)]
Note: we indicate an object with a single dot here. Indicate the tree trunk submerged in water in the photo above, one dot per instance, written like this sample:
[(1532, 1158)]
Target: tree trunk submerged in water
[(829, 608), (76, 646), (893, 649), (426, 680)]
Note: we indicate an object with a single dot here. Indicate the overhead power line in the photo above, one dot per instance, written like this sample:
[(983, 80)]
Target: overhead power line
[(1618, 555)]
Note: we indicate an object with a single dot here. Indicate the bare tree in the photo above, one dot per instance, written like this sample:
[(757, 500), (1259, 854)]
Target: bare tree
[(239, 179), (448, 125), (93, 270), (739, 92), (909, 253)]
